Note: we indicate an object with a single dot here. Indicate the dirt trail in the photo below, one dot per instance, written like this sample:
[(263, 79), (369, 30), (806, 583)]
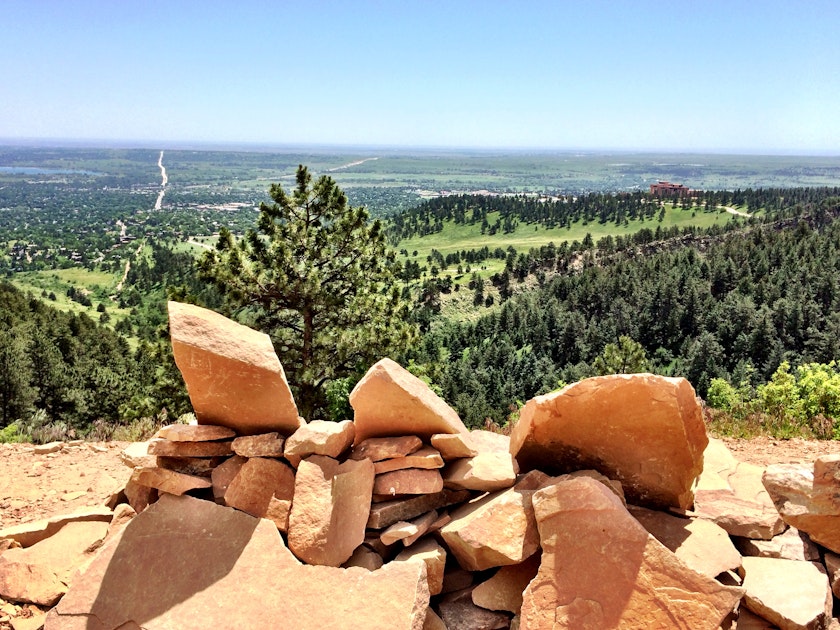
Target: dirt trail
[(735, 211), (164, 181)]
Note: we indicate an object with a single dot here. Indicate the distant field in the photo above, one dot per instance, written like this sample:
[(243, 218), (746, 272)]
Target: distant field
[(458, 237)]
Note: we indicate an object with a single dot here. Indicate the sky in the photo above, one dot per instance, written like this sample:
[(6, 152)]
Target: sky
[(736, 76)]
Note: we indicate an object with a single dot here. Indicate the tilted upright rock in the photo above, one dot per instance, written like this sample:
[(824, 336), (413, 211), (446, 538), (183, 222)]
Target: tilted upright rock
[(391, 401), (330, 508), (233, 375), (646, 431)]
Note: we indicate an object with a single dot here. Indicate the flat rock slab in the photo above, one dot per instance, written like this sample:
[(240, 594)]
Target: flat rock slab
[(408, 481), (390, 401), (790, 545), (168, 448), (136, 455), (601, 569), (646, 431), (168, 480), (233, 376), (809, 499), (701, 544), (190, 564), (454, 445), (259, 445), (27, 534), (330, 508), (389, 512), (378, 449), (486, 472), (496, 530), (429, 552), (426, 457), (195, 433), (792, 594), (321, 437), (40, 574)]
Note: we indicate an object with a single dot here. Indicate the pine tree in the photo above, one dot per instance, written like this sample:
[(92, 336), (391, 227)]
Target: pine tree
[(315, 275)]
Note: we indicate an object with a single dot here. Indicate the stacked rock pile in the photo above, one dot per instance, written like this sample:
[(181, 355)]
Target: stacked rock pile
[(596, 512)]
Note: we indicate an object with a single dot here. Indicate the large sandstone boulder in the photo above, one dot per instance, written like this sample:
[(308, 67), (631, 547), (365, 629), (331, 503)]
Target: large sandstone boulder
[(809, 499), (330, 508), (390, 401), (601, 569), (232, 373), (191, 564), (792, 594), (645, 431)]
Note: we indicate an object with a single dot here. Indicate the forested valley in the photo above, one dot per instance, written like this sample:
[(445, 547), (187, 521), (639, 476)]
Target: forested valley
[(735, 304)]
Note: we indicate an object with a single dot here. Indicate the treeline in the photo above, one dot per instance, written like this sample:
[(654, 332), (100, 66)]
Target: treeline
[(732, 307), (551, 212)]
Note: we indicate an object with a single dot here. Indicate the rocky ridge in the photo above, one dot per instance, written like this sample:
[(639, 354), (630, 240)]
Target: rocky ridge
[(598, 512)]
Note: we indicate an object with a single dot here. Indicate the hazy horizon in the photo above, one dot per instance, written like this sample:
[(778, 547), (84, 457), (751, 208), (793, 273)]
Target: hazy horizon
[(651, 76)]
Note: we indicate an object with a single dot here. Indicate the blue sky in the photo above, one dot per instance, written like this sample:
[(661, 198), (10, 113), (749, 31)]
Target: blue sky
[(729, 76)]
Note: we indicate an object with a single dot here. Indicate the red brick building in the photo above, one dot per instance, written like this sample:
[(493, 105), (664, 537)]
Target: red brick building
[(667, 189)]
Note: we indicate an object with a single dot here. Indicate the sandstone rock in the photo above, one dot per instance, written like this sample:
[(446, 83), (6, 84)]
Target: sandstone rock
[(330, 508), (731, 494), (28, 534), (377, 449), (645, 431), (429, 552), (486, 472), (789, 593), (385, 514), (139, 497), (224, 473), (233, 375), (496, 530), (321, 437), (504, 590), (259, 479), (136, 455), (30, 583), (790, 545), (35, 622), (168, 480), (195, 433), (191, 564), (613, 485), (489, 441), (454, 445), (166, 448), (702, 545), (259, 445), (408, 481), (748, 620), (408, 531), (738, 516), (458, 612), (433, 622), (366, 558), (809, 499), (123, 513), (46, 449), (832, 566), (40, 573), (278, 512), (456, 579), (426, 457), (601, 569), (390, 401)]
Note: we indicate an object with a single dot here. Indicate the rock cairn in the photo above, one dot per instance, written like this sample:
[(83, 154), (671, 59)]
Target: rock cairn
[(597, 512)]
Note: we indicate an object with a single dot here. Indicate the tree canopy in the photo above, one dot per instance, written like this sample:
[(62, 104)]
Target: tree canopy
[(317, 276)]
